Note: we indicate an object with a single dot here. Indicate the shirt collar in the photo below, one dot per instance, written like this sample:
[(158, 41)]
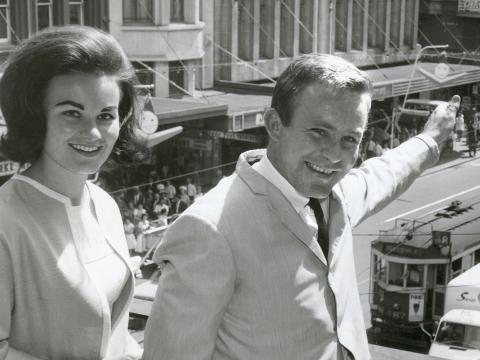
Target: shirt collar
[(265, 168)]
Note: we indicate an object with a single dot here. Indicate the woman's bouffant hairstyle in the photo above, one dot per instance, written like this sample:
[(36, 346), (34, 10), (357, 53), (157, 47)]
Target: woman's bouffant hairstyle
[(59, 51), (335, 73)]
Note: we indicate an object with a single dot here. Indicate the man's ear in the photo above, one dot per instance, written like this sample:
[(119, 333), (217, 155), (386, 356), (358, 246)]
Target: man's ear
[(273, 124)]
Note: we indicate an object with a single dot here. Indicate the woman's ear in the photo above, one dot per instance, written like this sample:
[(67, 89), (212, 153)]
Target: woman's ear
[(273, 124)]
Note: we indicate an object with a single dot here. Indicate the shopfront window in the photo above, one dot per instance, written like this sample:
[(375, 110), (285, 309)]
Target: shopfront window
[(137, 12), (76, 12), (44, 14)]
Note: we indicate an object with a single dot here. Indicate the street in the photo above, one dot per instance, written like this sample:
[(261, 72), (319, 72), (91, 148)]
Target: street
[(451, 179)]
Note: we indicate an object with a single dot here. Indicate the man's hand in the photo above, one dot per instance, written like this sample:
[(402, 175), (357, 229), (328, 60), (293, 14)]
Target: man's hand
[(441, 122)]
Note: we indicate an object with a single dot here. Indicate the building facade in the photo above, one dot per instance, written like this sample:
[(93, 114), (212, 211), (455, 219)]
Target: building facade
[(163, 39)]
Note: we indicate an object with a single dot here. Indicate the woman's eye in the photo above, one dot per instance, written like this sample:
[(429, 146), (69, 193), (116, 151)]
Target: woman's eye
[(72, 113), (106, 116)]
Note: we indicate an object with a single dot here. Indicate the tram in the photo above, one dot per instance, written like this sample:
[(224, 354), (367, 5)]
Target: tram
[(411, 265)]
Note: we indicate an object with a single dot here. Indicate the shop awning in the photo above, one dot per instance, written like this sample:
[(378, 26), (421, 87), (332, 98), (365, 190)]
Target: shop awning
[(173, 111), (393, 81)]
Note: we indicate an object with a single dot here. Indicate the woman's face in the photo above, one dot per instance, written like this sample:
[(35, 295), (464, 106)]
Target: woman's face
[(82, 121)]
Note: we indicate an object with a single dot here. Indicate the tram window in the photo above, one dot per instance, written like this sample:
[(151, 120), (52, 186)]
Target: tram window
[(456, 267), (477, 257), (380, 269), (414, 275), (440, 280), (395, 274)]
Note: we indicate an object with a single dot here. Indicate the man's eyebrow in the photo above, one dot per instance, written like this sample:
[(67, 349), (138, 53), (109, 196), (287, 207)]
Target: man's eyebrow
[(72, 103)]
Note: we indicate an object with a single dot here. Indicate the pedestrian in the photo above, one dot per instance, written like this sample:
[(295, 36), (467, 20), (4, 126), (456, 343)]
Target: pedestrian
[(170, 190), (253, 269), (68, 99), (191, 190), (129, 229), (472, 140), (459, 125)]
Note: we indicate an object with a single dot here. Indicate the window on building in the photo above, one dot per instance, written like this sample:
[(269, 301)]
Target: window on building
[(245, 35), (177, 14), (138, 11), (306, 26), (4, 21), (145, 76), (176, 74), (286, 27), (44, 14), (408, 37), (341, 25), (267, 19), (76, 12), (395, 24), (358, 8), (376, 24)]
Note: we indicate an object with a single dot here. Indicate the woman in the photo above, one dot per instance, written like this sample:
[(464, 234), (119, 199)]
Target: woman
[(68, 99), (129, 229)]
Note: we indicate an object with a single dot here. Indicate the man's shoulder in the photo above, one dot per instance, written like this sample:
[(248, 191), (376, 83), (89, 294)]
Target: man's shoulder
[(227, 198)]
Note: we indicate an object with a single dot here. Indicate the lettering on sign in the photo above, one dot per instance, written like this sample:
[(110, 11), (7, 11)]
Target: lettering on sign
[(416, 307), (464, 296), (469, 6)]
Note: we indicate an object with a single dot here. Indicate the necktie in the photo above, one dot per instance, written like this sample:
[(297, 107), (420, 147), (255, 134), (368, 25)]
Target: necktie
[(322, 235)]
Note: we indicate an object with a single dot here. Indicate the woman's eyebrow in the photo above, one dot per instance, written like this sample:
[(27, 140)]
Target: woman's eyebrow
[(72, 103)]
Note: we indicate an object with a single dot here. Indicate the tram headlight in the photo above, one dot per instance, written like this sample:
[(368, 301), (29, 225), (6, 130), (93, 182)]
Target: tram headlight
[(396, 306)]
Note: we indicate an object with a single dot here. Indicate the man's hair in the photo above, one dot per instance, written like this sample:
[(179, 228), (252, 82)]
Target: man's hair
[(60, 51), (333, 72)]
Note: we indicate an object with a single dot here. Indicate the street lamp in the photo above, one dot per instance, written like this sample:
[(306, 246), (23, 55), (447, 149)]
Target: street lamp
[(394, 120)]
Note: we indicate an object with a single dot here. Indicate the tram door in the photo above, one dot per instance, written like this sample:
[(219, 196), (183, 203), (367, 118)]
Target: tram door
[(439, 290)]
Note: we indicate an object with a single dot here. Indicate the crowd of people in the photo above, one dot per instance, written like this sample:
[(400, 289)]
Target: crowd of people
[(151, 206)]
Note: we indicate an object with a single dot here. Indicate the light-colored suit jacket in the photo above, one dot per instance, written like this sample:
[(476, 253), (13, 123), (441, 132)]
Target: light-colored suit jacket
[(245, 278)]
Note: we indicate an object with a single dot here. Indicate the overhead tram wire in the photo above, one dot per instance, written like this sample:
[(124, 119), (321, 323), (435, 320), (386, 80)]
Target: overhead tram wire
[(242, 61), (172, 177)]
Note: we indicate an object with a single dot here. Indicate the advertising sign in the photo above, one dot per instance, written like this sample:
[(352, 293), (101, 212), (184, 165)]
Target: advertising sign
[(469, 7), (416, 306)]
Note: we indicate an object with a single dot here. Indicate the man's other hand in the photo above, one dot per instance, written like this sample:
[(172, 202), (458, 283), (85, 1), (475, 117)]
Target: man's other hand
[(441, 122)]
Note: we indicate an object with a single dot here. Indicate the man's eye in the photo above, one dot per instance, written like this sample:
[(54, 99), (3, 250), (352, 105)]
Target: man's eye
[(351, 139)]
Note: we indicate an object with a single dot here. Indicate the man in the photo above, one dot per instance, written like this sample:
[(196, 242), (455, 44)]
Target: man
[(245, 276)]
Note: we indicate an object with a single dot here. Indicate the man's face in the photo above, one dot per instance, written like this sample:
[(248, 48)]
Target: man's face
[(321, 143)]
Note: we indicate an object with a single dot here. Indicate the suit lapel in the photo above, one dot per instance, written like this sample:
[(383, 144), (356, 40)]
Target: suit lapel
[(279, 205), (293, 222)]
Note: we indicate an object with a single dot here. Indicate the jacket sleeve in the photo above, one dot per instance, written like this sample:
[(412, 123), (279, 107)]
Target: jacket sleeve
[(380, 180), (7, 304), (194, 289)]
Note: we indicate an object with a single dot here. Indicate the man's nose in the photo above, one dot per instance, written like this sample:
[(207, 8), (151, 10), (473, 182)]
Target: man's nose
[(333, 151)]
